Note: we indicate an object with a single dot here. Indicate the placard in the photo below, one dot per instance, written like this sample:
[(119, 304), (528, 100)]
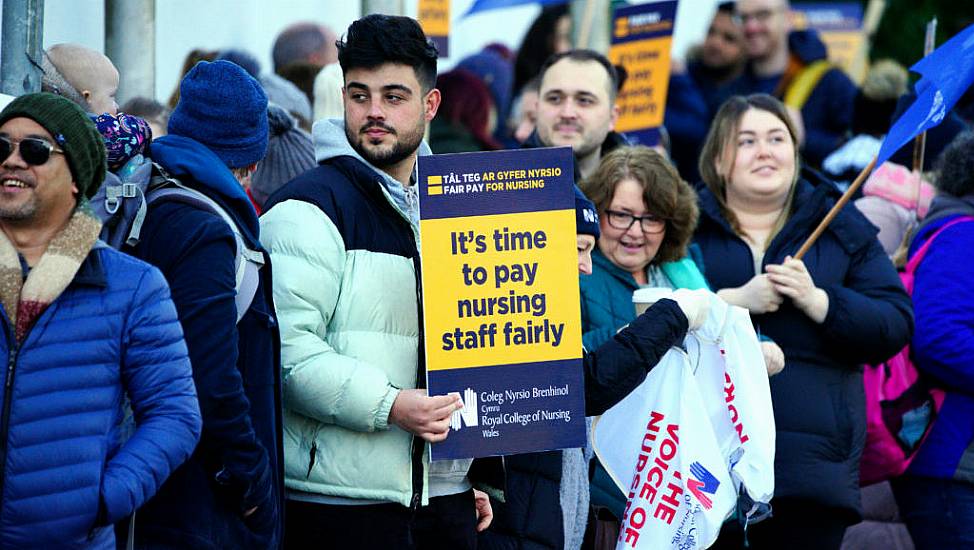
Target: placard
[(434, 18), (501, 301), (840, 25), (642, 36)]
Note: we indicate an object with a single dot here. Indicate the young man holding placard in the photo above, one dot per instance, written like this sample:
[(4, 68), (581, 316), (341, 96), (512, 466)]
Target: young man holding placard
[(344, 241)]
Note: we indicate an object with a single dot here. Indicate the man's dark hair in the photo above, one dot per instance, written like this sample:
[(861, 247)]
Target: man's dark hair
[(296, 43), (727, 7), (582, 56), (378, 39), (956, 167)]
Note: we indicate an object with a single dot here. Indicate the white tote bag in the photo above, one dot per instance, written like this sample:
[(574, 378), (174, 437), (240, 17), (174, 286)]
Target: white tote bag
[(659, 447), (742, 416)]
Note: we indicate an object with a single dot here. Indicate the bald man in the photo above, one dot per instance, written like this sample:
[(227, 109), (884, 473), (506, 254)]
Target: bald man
[(83, 75), (305, 42)]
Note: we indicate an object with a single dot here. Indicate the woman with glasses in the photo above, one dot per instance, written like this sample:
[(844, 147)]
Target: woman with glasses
[(647, 215), (840, 306)]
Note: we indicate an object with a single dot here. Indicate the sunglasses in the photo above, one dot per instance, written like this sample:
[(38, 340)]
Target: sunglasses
[(34, 151)]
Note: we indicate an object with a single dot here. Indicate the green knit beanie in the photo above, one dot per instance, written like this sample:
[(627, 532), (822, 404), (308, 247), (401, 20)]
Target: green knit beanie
[(73, 131)]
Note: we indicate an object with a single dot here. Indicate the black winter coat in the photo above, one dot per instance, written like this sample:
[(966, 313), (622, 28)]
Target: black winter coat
[(818, 399), (530, 518), (238, 464)]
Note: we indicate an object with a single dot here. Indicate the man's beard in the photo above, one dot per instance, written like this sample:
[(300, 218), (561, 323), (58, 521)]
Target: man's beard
[(21, 213), (404, 146), (24, 211)]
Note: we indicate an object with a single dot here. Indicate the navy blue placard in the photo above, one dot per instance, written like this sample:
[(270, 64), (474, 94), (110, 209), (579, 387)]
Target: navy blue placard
[(442, 44), (628, 21), (515, 408), (523, 181), (649, 138), (838, 16)]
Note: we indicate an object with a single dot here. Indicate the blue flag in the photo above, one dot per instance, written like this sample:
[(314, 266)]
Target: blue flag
[(484, 5), (946, 74)]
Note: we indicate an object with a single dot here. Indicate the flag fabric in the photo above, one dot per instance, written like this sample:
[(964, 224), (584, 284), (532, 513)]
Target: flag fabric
[(946, 74), (484, 5)]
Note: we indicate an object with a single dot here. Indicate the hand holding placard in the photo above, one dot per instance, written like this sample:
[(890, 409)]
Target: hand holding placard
[(422, 415), (500, 300)]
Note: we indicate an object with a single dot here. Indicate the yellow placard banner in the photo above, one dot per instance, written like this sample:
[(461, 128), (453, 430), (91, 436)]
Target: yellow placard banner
[(642, 36), (502, 288), (643, 97), (434, 18), (501, 316), (840, 26)]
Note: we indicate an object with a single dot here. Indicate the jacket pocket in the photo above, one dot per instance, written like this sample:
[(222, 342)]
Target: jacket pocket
[(264, 519)]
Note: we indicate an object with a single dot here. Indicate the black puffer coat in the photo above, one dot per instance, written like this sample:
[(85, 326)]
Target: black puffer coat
[(818, 399)]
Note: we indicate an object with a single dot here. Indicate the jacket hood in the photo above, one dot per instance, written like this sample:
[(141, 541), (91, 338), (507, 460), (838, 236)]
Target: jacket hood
[(807, 46), (611, 142), (196, 166), (330, 142), (943, 207)]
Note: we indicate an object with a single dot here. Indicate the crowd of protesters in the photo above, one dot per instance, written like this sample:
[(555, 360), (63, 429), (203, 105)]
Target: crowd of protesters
[(240, 364)]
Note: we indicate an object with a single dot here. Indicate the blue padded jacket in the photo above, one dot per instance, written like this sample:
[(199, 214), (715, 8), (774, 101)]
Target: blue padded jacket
[(66, 473)]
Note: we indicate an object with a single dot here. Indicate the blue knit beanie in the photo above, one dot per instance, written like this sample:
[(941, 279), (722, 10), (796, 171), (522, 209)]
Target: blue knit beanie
[(225, 109), (586, 218)]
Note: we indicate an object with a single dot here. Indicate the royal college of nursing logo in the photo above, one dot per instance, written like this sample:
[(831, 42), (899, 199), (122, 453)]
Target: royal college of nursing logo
[(466, 415), (701, 484)]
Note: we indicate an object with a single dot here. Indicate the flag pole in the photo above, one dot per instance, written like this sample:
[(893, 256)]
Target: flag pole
[(835, 209), (919, 146)]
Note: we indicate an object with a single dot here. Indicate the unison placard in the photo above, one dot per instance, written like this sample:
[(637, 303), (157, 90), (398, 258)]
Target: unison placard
[(501, 299)]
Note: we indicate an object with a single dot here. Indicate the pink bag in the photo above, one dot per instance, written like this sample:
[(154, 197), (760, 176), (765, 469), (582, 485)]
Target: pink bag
[(900, 405)]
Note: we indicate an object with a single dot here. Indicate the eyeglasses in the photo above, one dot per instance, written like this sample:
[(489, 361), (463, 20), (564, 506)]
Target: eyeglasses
[(34, 151), (648, 223)]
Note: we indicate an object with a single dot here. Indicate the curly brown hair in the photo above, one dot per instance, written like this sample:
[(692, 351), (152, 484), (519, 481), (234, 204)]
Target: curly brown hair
[(665, 194)]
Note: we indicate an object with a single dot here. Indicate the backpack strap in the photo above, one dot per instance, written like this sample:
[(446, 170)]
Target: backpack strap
[(159, 178), (247, 262), (914, 263), (801, 87)]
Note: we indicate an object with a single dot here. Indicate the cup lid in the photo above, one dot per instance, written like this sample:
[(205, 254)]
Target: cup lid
[(650, 295)]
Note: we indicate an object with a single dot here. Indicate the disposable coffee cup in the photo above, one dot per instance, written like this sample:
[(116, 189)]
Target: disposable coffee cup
[(642, 298)]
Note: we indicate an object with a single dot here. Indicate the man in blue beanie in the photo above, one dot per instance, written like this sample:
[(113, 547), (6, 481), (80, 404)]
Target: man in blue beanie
[(229, 494)]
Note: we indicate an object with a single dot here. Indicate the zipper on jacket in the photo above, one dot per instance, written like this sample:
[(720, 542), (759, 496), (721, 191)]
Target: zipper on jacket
[(419, 444), (314, 455), (8, 387)]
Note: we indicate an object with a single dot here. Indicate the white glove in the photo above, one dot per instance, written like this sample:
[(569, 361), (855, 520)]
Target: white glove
[(695, 305)]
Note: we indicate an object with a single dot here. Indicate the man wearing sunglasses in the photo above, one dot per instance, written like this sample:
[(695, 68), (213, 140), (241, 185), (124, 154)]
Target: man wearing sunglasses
[(82, 326)]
